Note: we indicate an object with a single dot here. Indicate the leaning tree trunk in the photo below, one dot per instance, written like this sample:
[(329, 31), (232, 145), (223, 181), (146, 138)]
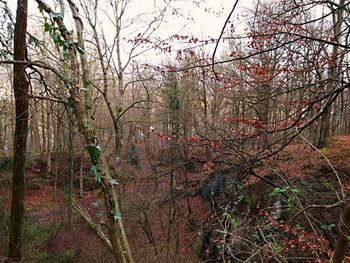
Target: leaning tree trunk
[(117, 236), (21, 87)]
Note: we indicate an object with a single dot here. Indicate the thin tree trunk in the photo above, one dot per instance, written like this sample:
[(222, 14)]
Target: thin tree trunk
[(43, 127), (81, 175), (71, 171), (48, 136)]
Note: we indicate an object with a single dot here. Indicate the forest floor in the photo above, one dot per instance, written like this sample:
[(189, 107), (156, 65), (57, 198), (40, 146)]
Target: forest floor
[(146, 210), (296, 218)]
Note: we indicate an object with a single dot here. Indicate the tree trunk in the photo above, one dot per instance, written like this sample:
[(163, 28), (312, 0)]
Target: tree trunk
[(21, 87), (81, 175), (325, 128), (43, 127), (71, 170), (333, 71), (263, 111), (117, 236), (48, 136), (342, 242)]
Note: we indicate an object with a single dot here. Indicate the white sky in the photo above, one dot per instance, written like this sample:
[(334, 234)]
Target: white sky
[(202, 19)]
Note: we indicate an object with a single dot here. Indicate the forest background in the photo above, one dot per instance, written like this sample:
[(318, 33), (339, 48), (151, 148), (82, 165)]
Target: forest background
[(184, 127)]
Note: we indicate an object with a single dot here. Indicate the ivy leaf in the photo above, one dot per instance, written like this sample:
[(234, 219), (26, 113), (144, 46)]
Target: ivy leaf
[(327, 226), (35, 41), (47, 27), (95, 152), (295, 190), (116, 215), (57, 39), (79, 48), (41, 8), (98, 178), (70, 105), (278, 190), (66, 45), (113, 182), (65, 54), (299, 227), (56, 15), (96, 171), (234, 223)]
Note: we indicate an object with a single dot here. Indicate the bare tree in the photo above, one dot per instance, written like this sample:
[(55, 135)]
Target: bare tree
[(117, 240)]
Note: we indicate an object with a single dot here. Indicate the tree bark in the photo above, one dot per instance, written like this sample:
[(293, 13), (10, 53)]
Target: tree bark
[(48, 136), (342, 242), (43, 127), (71, 170), (21, 87)]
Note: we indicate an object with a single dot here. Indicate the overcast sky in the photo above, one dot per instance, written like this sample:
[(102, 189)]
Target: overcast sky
[(202, 19)]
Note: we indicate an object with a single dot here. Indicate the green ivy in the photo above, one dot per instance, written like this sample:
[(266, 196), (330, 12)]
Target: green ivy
[(328, 226), (55, 15), (79, 48), (115, 214), (277, 191), (70, 105), (95, 152), (32, 40), (97, 173), (57, 37), (299, 227)]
